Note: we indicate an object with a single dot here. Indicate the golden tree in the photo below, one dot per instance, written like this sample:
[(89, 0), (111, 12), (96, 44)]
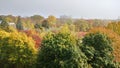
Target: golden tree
[(16, 50), (51, 19)]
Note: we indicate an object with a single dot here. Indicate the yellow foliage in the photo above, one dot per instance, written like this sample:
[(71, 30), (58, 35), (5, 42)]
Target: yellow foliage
[(51, 19), (3, 34), (115, 26), (65, 29), (17, 45), (42, 34)]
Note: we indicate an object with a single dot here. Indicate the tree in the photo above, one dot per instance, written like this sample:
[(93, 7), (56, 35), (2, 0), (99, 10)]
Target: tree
[(4, 24), (51, 19), (82, 25), (19, 24), (0, 17), (98, 48), (115, 26), (28, 24), (16, 50), (60, 51), (66, 19), (45, 24), (114, 37), (10, 18), (37, 18), (38, 26)]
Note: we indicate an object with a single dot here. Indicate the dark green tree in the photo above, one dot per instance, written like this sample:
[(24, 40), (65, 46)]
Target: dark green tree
[(38, 26), (46, 24), (19, 24), (4, 25), (60, 51), (0, 17), (98, 49)]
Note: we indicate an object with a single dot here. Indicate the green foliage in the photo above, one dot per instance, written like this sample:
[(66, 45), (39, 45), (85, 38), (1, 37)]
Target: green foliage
[(1, 17), (10, 18), (4, 25), (60, 51), (19, 24), (97, 47), (16, 50), (37, 18), (28, 24), (38, 26), (81, 25), (113, 36)]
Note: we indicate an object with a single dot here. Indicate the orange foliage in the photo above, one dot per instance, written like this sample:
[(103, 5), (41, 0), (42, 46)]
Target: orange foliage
[(115, 40), (81, 34), (35, 37)]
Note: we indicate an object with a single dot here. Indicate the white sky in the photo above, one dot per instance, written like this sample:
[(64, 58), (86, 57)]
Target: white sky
[(108, 9)]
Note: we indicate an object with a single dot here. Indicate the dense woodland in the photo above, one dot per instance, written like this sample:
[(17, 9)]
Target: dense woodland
[(64, 42)]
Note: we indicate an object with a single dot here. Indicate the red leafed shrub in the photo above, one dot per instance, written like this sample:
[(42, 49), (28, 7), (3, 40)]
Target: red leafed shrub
[(28, 32), (35, 37), (37, 40)]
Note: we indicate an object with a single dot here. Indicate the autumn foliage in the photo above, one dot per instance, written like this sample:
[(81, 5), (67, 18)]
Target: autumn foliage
[(35, 36), (16, 50), (114, 26), (58, 42)]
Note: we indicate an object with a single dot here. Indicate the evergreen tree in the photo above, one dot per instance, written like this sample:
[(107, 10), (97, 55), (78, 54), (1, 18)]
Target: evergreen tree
[(38, 26), (45, 24), (0, 17), (19, 24), (4, 25)]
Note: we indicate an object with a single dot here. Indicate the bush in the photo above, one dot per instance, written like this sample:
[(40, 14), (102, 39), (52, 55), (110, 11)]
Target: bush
[(60, 51), (98, 49), (16, 50)]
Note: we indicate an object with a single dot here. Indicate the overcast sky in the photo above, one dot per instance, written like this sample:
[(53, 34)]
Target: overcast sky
[(108, 9)]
